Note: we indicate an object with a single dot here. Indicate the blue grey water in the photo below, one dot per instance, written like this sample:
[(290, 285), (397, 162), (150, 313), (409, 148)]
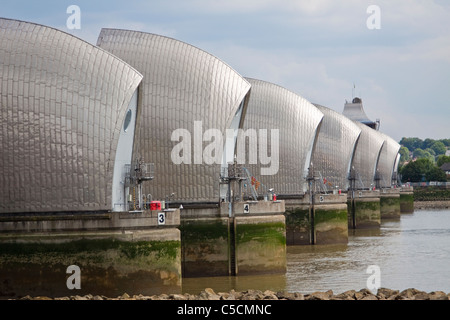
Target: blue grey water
[(412, 252)]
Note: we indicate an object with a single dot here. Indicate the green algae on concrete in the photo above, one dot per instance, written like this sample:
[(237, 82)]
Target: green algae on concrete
[(218, 241), (390, 206), (260, 244), (110, 263), (204, 247), (322, 223), (222, 246), (364, 213), (298, 226), (330, 223), (406, 202)]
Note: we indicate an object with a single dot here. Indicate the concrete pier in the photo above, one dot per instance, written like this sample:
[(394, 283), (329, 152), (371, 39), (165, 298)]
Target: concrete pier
[(298, 222), (325, 222), (246, 238), (390, 203), (364, 209), (406, 200), (114, 253)]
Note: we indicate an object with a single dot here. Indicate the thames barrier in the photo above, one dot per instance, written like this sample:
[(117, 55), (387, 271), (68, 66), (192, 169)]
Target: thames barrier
[(99, 171)]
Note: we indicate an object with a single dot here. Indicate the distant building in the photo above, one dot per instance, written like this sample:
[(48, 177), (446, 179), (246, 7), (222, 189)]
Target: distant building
[(354, 111), (446, 168)]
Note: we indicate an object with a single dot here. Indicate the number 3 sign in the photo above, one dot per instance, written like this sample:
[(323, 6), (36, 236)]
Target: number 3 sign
[(161, 218)]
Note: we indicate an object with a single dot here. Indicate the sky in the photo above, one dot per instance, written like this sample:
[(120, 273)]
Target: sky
[(395, 55)]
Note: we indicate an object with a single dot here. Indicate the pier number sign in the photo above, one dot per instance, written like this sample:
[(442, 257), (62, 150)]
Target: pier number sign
[(246, 208), (161, 218)]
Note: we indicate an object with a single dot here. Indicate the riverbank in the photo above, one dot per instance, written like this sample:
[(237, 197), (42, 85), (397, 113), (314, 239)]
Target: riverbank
[(431, 194), (437, 204), (210, 294)]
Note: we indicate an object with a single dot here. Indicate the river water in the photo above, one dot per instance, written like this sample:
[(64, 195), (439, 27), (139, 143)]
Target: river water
[(412, 252)]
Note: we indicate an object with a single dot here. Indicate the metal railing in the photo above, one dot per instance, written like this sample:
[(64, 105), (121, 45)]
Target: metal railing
[(429, 183), (136, 173)]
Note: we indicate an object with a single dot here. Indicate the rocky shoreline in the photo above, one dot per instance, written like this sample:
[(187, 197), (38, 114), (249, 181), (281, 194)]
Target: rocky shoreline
[(210, 294), (438, 204)]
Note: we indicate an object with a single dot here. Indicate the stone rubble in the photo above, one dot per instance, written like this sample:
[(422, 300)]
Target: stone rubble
[(437, 204), (210, 294)]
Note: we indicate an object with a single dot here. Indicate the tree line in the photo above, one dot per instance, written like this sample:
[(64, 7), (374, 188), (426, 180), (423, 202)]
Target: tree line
[(420, 160)]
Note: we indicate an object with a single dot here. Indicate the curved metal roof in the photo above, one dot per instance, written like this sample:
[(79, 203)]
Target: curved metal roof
[(63, 102), (182, 84), (354, 111), (335, 147), (297, 120), (367, 153), (388, 163)]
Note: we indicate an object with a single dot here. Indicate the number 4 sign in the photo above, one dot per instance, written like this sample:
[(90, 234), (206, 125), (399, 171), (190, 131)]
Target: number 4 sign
[(246, 208), (161, 218)]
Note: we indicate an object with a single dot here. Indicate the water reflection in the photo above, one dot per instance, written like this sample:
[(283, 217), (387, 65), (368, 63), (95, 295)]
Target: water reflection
[(411, 252), (339, 268)]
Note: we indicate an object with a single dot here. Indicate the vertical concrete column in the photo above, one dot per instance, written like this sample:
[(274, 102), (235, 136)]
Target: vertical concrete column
[(406, 200), (324, 223), (113, 253), (298, 224), (390, 203), (251, 241), (109, 263), (259, 237), (260, 244), (205, 245), (330, 219), (364, 209)]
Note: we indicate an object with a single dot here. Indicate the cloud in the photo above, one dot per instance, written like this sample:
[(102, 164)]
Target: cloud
[(317, 48)]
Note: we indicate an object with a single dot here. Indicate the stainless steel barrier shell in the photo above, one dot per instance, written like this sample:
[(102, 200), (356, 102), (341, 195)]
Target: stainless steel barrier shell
[(335, 147), (63, 102), (272, 107), (182, 85)]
